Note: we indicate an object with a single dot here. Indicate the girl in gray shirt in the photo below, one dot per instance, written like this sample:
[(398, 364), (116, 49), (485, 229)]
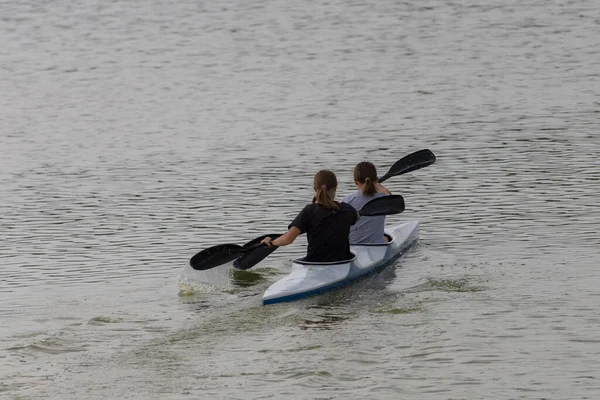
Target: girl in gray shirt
[(366, 229)]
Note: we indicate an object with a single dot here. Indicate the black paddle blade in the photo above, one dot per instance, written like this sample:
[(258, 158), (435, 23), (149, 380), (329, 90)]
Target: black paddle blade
[(215, 256), (253, 257), (385, 205), (411, 162)]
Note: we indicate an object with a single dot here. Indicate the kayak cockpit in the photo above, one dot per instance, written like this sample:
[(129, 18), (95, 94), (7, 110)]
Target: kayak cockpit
[(389, 239), (302, 262)]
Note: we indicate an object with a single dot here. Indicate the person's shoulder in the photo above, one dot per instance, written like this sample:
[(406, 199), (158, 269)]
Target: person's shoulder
[(344, 206), (351, 197), (309, 207)]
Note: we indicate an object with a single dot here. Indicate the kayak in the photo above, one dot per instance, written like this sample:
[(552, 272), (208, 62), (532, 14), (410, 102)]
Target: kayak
[(312, 278)]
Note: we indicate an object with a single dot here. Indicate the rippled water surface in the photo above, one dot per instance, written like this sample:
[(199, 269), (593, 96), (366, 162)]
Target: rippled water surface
[(134, 134)]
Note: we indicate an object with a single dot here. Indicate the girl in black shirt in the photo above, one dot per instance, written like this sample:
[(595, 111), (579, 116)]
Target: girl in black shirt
[(325, 222)]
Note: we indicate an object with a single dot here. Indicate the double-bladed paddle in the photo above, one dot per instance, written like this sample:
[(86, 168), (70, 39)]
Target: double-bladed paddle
[(254, 251), (411, 162), (224, 253)]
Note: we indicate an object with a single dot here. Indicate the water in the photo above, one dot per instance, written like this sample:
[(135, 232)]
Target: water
[(134, 135)]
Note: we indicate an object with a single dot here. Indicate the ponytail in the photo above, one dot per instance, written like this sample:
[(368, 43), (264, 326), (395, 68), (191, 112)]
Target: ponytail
[(325, 181), (365, 173)]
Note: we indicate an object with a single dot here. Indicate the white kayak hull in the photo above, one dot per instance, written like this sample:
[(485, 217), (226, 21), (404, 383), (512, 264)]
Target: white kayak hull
[(309, 278)]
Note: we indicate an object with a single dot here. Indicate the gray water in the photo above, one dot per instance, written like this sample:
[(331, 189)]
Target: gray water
[(134, 134)]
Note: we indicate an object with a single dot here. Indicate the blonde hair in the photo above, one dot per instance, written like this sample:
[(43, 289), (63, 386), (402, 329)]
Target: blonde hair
[(323, 182), (365, 172)]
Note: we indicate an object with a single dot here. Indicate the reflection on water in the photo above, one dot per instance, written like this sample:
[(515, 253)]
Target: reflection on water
[(446, 285), (245, 278), (326, 321)]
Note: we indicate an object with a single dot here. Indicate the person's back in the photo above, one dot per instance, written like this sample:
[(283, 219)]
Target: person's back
[(327, 231), (325, 221), (367, 230)]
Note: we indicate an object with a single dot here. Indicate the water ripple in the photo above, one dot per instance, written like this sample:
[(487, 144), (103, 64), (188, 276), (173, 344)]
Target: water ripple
[(134, 135)]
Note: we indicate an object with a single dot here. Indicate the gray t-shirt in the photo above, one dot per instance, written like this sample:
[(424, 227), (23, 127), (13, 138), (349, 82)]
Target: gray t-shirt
[(366, 229)]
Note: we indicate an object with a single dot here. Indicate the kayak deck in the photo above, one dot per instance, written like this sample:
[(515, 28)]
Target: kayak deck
[(311, 278)]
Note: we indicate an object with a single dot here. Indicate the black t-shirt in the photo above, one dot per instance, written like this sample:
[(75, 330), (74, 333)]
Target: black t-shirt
[(327, 231)]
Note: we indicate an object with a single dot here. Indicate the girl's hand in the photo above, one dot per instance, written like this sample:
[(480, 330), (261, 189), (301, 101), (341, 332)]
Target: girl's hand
[(381, 188), (284, 239)]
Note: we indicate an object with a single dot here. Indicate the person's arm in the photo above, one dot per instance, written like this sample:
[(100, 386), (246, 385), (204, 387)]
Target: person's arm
[(382, 189), (283, 240)]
